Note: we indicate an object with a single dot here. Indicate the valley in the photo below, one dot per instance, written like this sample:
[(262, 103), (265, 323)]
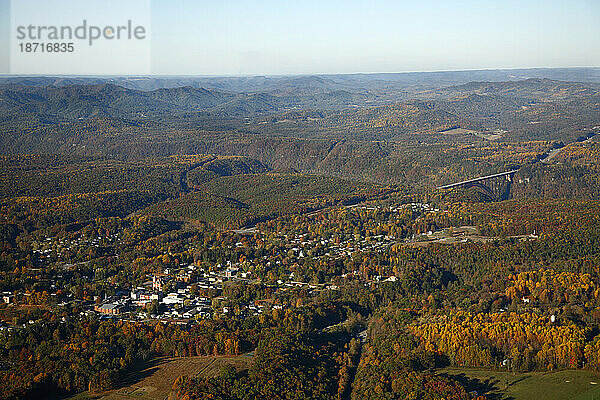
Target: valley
[(362, 236)]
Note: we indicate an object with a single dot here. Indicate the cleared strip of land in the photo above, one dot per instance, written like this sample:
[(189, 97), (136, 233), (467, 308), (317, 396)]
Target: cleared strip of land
[(153, 380)]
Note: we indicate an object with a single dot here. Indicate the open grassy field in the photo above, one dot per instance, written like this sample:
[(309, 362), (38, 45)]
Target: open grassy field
[(559, 385), (153, 379)]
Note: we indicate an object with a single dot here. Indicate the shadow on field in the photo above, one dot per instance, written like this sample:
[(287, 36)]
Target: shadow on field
[(490, 387), (140, 371)]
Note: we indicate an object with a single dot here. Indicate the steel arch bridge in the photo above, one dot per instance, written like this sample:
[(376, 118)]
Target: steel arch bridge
[(497, 186)]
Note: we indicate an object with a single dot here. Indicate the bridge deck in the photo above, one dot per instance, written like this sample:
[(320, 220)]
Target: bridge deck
[(481, 178)]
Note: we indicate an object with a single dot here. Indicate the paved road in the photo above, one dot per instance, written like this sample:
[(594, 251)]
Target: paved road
[(554, 152)]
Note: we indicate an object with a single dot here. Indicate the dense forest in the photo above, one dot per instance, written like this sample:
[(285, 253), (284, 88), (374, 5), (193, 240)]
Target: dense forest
[(299, 224)]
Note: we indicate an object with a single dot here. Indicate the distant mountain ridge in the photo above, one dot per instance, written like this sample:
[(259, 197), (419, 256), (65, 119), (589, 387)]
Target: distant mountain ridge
[(107, 99), (301, 93), (87, 101), (543, 89), (326, 82)]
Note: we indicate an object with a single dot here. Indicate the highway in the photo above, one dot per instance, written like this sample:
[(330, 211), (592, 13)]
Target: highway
[(554, 152)]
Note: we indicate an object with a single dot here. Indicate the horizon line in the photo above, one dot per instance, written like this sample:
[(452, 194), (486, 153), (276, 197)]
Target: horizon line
[(289, 75)]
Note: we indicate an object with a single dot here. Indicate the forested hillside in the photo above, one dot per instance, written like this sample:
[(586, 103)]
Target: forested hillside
[(296, 237)]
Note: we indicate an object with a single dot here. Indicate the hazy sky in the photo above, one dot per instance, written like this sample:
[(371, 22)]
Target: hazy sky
[(232, 37), (306, 36)]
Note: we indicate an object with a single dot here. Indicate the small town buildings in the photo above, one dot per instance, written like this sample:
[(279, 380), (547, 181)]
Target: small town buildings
[(173, 298), (8, 298), (109, 308), (159, 281)]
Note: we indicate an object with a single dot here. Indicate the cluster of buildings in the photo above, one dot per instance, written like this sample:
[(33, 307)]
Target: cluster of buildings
[(53, 248), (189, 293), (177, 295)]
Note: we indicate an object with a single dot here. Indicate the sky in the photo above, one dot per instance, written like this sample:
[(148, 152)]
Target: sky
[(273, 37)]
